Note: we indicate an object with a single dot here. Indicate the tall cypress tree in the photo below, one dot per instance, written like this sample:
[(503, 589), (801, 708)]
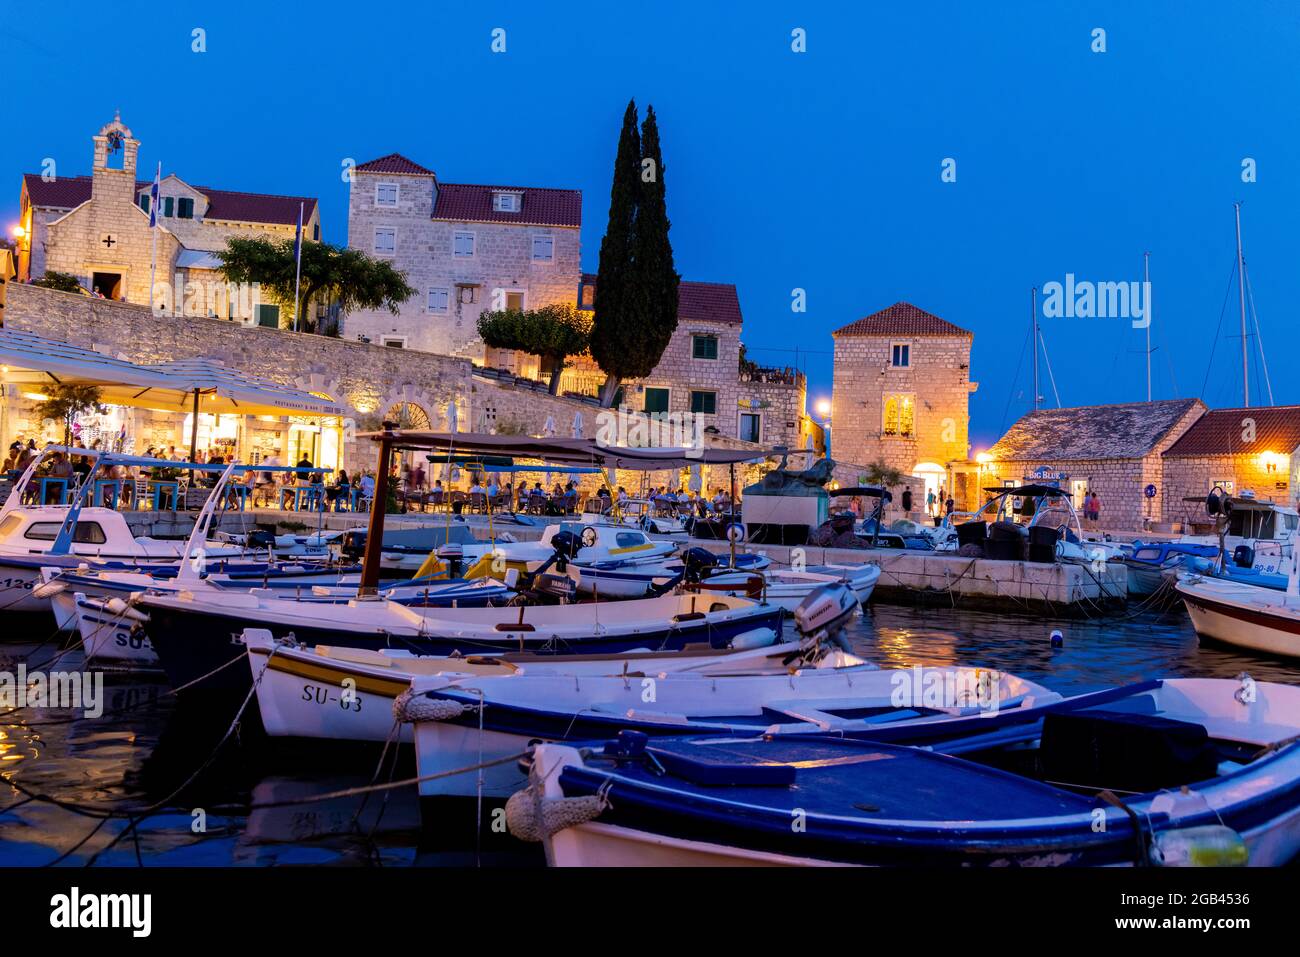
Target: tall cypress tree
[(655, 286), (614, 315)]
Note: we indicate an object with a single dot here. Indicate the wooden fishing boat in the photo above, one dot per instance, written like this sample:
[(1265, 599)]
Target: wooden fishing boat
[(1181, 771)]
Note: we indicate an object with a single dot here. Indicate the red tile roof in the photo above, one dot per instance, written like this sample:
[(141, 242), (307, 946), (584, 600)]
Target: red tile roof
[(1219, 432), (394, 163), (700, 301), (68, 192), (708, 301), (540, 207), (901, 319)]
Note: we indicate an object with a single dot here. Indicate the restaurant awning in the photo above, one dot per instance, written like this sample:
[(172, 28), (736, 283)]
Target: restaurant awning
[(228, 390), (565, 451), (33, 363)]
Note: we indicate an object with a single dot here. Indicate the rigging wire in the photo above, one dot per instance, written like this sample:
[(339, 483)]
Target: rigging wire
[(1002, 427), (1214, 344), (1259, 339), (1048, 362)]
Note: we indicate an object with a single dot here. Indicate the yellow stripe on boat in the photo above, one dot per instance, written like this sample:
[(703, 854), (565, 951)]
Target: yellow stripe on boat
[(388, 687)]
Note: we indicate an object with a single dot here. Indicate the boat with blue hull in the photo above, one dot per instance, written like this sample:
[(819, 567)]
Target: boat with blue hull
[(196, 634), (1192, 771), (1149, 562)]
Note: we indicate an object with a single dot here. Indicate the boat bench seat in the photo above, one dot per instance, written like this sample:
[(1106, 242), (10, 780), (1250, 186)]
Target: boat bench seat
[(1255, 732), (1096, 749)]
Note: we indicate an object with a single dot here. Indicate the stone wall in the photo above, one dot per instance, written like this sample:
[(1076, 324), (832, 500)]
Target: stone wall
[(368, 380), (937, 383), (1189, 476), (1118, 482), (502, 263)]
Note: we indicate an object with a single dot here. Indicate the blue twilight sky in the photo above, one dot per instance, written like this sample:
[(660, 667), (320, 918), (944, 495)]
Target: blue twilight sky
[(818, 170)]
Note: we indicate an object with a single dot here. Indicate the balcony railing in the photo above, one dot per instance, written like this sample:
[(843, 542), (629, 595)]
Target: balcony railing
[(770, 375)]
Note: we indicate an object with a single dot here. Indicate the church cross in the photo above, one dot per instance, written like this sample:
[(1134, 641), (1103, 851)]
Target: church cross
[(108, 240)]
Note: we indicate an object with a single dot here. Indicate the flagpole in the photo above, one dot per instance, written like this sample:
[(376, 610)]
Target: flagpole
[(297, 278)]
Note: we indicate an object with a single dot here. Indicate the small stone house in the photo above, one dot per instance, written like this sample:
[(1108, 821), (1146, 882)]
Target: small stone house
[(1244, 451), (1113, 450), (901, 395)]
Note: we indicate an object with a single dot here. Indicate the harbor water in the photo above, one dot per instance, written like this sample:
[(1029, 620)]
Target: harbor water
[(150, 751)]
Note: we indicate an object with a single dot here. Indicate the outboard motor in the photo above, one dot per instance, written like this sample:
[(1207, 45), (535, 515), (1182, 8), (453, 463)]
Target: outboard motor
[(260, 538), (698, 562), (566, 546), (353, 543), (1243, 556), (824, 613)]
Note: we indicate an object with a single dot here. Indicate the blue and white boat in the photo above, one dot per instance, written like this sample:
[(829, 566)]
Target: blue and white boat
[(1178, 772), (1149, 562)]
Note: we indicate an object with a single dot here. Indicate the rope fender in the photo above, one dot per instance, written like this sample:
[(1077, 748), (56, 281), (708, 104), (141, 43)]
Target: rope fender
[(410, 707), (530, 817)]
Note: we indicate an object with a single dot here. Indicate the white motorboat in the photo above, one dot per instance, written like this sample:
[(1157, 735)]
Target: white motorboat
[(348, 693), (1248, 615), (460, 723)]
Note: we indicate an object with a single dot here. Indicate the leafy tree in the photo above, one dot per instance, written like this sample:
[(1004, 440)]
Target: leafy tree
[(614, 313), (878, 473), (62, 281), (346, 277), (553, 332), (66, 402)]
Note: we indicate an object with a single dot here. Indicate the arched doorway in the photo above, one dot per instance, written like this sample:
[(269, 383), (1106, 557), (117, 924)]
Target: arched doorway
[(410, 416), (935, 478)]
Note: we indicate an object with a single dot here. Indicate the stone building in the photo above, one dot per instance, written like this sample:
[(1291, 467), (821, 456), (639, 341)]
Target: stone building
[(1244, 451), (901, 396), (1114, 450), (701, 372), (465, 248), (96, 228)]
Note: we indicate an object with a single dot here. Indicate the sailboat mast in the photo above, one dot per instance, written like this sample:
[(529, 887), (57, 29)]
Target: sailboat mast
[(1146, 289), (1241, 291), (1033, 336)]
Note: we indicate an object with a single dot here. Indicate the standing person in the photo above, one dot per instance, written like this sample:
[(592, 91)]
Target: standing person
[(907, 502), (1096, 510), (929, 502), (949, 505)]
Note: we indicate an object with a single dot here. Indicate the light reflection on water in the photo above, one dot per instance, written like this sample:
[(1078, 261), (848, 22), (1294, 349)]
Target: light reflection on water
[(145, 746)]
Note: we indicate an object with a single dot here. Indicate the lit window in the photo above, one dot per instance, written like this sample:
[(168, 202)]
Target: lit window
[(543, 249), (899, 415), (386, 194), (385, 241), (462, 245), (439, 300)]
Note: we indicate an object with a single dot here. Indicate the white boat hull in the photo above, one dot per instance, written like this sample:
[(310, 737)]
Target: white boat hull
[(111, 638)]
